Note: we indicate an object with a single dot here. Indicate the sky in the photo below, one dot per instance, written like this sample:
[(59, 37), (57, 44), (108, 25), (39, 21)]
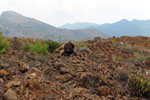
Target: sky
[(59, 12)]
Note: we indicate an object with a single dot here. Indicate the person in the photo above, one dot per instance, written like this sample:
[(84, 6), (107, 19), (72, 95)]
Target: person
[(69, 49)]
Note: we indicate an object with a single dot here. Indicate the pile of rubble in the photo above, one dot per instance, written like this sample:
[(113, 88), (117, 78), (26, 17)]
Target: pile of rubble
[(94, 74)]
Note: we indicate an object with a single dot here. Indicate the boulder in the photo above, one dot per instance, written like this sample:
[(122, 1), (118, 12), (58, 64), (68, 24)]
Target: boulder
[(10, 95)]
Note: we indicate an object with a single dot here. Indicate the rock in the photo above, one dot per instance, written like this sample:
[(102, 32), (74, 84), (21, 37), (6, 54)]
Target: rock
[(4, 65), (11, 52), (1, 80), (121, 43), (58, 65), (84, 49), (103, 90), (64, 78), (83, 74), (136, 98), (1, 92), (3, 73), (10, 95), (114, 57), (34, 73), (110, 97), (125, 98), (13, 83), (65, 70), (31, 76), (24, 67)]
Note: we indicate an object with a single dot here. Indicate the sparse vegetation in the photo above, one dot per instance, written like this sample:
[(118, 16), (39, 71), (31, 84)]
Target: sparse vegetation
[(113, 41), (4, 44), (140, 58), (81, 44), (52, 46), (137, 59), (39, 48), (119, 58), (140, 86), (122, 76), (27, 47)]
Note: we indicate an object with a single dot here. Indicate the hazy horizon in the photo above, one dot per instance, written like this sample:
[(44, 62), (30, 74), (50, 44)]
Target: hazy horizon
[(60, 12)]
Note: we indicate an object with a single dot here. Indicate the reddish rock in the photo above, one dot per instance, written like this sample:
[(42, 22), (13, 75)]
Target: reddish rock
[(3, 73), (104, 90), (24, 67)]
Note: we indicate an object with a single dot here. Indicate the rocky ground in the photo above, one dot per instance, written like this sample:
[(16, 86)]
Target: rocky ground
[(100, 71)]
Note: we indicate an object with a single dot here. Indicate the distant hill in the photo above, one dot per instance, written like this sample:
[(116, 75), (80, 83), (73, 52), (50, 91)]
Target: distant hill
[(144, 24), (16, 25), (78, 25), (122, 28)]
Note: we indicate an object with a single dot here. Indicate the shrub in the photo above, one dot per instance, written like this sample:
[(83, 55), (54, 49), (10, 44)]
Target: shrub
[(137, 60), (122, 76), (140, 58), (140, 86), (39, 48), (52, 46), (4, 44), (119, 58), (113, 41), (27, 47)]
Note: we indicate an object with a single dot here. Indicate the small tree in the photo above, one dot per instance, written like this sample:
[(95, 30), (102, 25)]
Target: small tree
[(52, 46), (4, 44), (39, 48)]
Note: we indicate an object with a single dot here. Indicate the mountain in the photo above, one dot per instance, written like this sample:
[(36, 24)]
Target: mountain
[(144, 24), (78, 25), (17, 25), (121, 28)]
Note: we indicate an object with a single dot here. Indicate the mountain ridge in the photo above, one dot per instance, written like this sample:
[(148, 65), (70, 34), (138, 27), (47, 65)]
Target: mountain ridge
[(124, 27), (16, 25)]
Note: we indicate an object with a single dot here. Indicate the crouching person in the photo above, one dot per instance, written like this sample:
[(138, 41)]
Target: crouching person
[(69, 49)]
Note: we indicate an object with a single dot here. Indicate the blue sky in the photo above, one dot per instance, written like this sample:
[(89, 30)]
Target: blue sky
[(59, 12)]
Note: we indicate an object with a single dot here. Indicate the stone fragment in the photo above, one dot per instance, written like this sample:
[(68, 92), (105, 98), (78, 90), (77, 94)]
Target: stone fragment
[(3, 73), (10, 95), (103, 91)]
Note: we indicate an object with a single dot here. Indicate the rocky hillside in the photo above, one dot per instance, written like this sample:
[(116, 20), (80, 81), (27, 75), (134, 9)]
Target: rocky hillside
[(16, 25), (104, 69), (78, 25)]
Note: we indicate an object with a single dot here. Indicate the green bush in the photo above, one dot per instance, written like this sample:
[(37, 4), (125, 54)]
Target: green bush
[(140, 86), (4, 44), (52, 46), (140, 58), (39, 48), (119, 58), (27, 47), (137, 60), (113, 41)]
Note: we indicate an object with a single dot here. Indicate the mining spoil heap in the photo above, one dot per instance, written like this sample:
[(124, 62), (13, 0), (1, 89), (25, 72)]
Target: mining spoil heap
[(94, 74)]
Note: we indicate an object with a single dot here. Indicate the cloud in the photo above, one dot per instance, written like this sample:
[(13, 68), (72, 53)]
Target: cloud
[(58, 12)]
